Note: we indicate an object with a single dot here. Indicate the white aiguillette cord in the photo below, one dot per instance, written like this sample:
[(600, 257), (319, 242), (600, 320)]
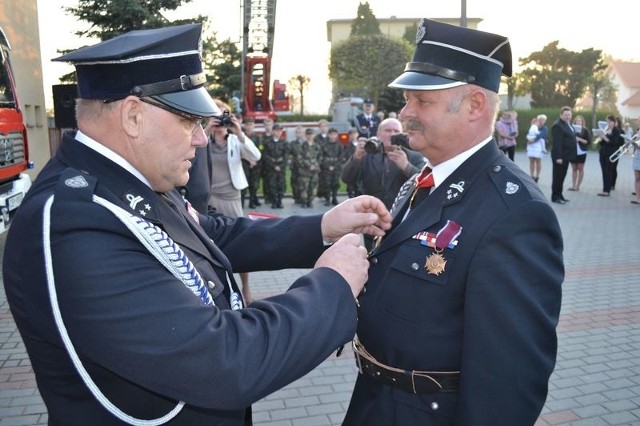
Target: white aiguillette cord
[(180, 267)]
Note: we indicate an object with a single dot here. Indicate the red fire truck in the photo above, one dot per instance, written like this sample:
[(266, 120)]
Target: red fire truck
[(259, 26), (14, 152)]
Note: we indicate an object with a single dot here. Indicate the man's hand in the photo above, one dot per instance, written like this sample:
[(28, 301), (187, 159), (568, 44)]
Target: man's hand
[(399, 157), (348, 257), (363, 214), (359, 153)]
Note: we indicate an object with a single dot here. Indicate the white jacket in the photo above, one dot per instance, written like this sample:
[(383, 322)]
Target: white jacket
[(236, 152)]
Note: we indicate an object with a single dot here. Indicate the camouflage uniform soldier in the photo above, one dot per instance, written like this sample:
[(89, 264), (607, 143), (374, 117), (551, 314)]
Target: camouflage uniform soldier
[(330, 168), (353, 189), (275, 155), (309, 159), (261, 143), (320, 139), (294, 150)]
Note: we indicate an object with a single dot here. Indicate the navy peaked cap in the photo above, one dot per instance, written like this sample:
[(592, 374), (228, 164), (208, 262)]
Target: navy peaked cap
[(164, 64), (448, 56)]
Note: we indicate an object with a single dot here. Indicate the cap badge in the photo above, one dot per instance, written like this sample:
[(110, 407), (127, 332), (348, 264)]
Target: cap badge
[(76, 182), (422, 30)]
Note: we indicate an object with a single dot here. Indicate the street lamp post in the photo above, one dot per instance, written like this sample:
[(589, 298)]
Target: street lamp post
[(463, 13)]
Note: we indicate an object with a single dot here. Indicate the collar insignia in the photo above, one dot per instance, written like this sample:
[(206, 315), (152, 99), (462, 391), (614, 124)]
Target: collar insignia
[(138, 204)]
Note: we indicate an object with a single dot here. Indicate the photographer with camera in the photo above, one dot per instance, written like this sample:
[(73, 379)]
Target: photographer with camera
[(380, 165), (224, 177)]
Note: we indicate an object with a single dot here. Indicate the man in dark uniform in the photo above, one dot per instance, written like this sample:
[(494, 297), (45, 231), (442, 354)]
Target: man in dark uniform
[(563, 151), (457, 323), (125, 300), (367, 121), (274, 160)]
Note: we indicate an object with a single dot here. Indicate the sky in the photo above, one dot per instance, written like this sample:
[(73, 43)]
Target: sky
[(301, 46)]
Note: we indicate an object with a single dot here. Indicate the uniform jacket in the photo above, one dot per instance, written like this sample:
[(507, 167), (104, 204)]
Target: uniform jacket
[(380, 178), (144, 337), (564, 142), (491, 314), (367, 127)]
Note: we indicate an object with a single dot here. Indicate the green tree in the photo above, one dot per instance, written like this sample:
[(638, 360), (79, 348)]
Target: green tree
[(556, 76), (410, 33), (365, 22), (602, 92), (365, 65), (108, 18), (300, 83), (517, 85), (223, 65)]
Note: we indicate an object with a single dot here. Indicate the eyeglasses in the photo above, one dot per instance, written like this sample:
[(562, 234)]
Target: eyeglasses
[(192, 123)]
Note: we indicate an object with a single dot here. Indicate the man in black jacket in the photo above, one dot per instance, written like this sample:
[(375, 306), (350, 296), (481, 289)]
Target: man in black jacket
[(563, 151), (126, 300)]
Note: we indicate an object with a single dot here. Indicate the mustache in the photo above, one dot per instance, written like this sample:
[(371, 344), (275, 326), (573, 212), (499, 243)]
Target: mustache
[(413, 125)]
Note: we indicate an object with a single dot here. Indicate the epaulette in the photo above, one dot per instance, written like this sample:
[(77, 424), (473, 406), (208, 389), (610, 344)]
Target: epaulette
[(75, 185), (509, 185)]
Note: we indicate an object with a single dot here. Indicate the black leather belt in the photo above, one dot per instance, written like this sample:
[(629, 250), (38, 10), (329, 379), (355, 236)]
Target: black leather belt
[(413, 381)]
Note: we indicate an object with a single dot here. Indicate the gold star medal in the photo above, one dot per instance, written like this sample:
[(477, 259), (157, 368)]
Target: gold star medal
[(446, 237), (435, 263)]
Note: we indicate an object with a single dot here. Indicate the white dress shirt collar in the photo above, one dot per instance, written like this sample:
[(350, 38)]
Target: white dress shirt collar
[(443, 170), (111, 155)]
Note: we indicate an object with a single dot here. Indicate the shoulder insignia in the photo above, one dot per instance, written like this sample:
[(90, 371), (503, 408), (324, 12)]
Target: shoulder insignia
[(75, 185), (511, 188), (76, 182)]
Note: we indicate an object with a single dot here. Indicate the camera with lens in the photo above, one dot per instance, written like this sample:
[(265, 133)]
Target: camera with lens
[(225, 119), (400, 139), (372, 145)]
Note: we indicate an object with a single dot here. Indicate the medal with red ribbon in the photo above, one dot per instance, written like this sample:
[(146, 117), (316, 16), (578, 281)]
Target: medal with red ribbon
[(446, 237)]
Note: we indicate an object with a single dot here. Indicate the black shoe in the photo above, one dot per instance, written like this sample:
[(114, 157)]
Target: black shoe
[(334, 201), (309, 204), (558, 201), (565, 200), (327, 202), (274, 206), (257, 203), (252, 205)]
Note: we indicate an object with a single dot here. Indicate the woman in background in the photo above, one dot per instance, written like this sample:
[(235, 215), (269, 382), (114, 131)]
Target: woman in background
[(584, 139), (228, 146), (537, 145)]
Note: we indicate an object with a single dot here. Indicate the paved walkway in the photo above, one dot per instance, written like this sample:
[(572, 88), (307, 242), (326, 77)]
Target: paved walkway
[(597, 377)]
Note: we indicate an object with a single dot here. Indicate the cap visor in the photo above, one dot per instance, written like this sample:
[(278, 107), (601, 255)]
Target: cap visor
[(418, 81), (195, 102)]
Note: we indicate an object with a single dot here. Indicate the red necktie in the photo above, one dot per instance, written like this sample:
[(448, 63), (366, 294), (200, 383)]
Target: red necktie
[(423, 181), (425, 178)]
